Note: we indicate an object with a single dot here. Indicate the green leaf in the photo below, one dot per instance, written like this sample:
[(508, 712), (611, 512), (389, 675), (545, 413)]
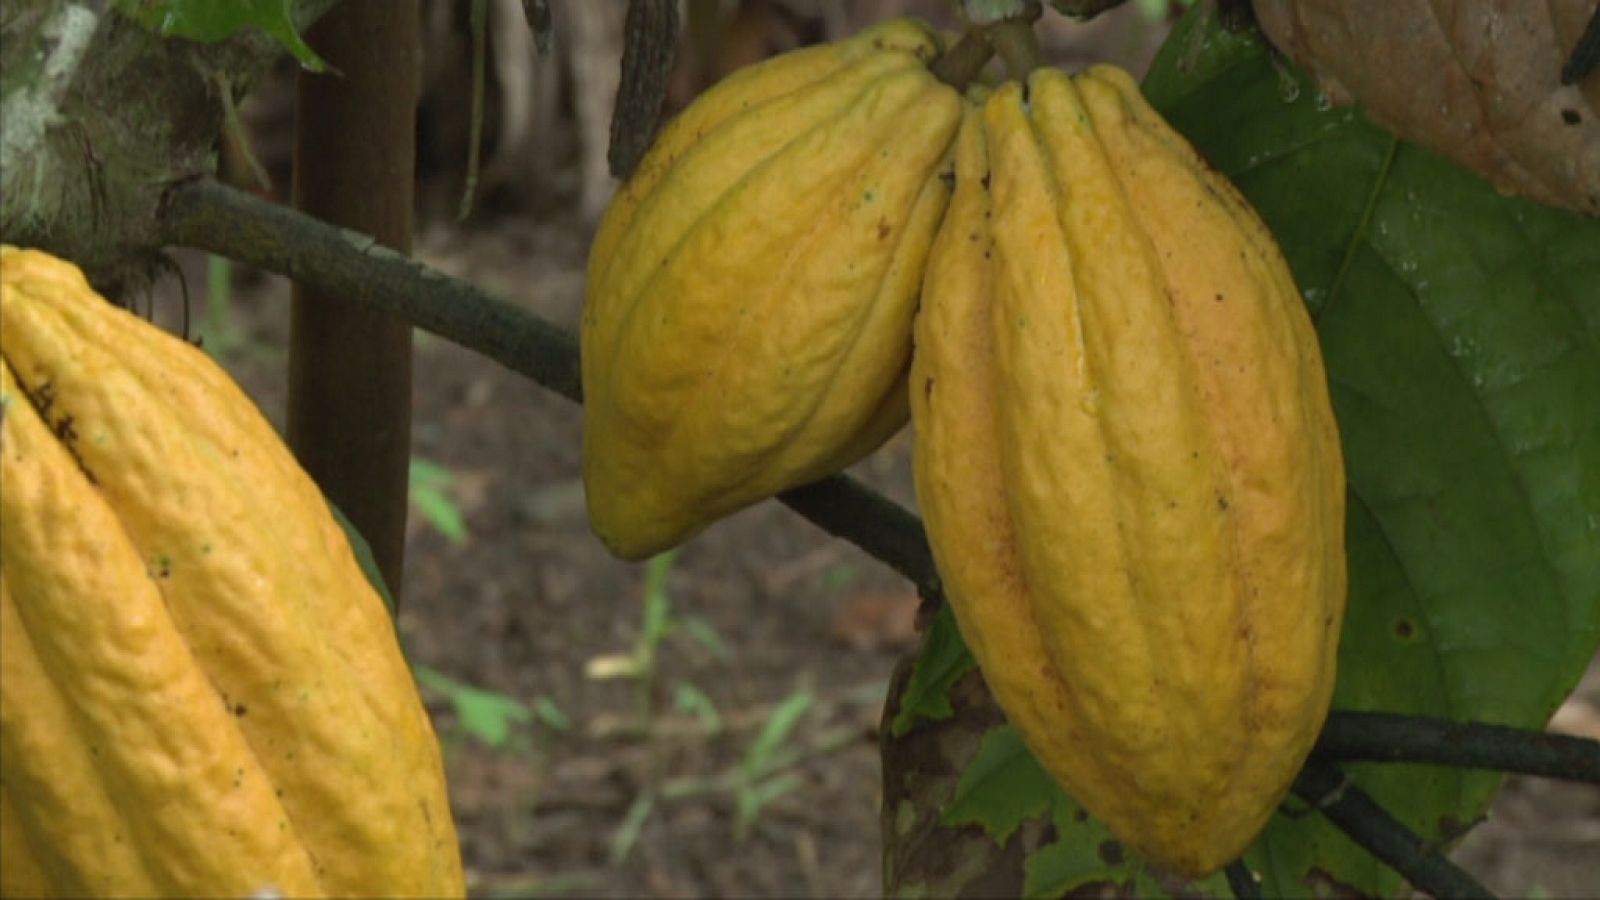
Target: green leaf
[(750, 800), (210, 21), (429, 488), (943, 660), (704, 634), (1002, 787), (551, 715), (1084, 853), (632, 825), (758, 759), (1461, 333), (364, 557), (488, 716), (690, 699)]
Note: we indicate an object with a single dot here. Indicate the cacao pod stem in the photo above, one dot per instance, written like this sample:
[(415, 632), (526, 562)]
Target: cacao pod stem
[(1018, 45), (962, 63)]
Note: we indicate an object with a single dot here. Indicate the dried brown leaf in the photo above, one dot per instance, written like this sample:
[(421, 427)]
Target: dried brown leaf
[(1478, 81)]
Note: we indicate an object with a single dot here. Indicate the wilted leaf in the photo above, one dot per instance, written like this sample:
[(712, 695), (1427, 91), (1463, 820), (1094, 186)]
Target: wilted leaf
[(1476, 80)]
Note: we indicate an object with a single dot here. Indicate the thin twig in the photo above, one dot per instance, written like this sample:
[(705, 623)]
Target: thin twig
[(1338, 798)]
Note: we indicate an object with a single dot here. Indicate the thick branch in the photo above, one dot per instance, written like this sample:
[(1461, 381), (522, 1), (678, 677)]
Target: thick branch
[(1370, 825)]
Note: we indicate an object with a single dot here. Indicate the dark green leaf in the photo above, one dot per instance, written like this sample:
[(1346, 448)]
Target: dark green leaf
[(943, 660), (1461, 333), (1002, 788), (210, 21), (363, 552)]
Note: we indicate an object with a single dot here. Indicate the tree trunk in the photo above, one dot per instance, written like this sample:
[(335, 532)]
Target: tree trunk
[(349, 416)]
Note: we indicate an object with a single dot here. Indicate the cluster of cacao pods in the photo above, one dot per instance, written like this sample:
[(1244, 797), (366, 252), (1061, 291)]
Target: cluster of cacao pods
[(201, 694), (1125, 453)]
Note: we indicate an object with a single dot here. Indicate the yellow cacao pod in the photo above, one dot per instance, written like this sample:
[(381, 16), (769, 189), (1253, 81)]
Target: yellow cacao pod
[(200, 692), (747, 324), (1128, 465)]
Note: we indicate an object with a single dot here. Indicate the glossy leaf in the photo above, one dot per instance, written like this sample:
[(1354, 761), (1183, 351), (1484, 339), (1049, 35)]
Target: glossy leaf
[(1461, 331)]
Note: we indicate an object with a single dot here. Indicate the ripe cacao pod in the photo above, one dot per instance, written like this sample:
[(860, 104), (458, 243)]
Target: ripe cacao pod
[(747, 324), (1128, 466), (200, 692)]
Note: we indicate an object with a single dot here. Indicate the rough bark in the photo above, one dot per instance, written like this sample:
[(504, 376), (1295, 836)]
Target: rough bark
[(101, 117)]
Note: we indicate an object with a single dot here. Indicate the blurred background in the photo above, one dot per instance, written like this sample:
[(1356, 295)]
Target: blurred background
[(704, 724)]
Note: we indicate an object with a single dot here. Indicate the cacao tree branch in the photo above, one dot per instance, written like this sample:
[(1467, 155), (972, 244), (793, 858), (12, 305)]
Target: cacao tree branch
[(1346, 805), (1391, 737), (209, 216), (336, 261), (1242, 881), (848, 509)]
